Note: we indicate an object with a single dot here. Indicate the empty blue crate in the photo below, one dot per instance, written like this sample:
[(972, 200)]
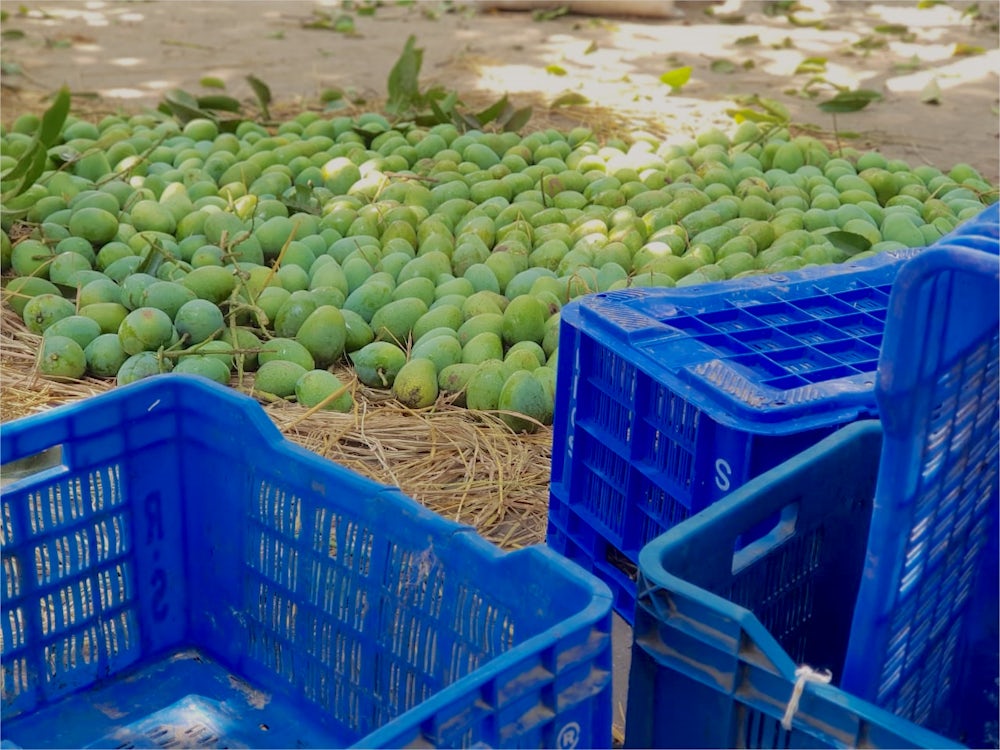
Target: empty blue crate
[(920, 619), (177, 574), (867, 615), (668, 399)]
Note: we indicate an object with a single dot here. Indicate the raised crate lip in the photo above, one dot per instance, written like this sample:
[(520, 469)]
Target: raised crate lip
[(629, 317), (47, 428), (768, 654)]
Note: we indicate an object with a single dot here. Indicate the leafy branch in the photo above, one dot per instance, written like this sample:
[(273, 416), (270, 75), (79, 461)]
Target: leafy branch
[(225, 111), (31, 164), (437, 105)]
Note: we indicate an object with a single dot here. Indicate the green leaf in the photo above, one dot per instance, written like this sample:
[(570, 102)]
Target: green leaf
[(219, 101), (440, 114), (517, 119), (745, 113), (748, 65), (36, 166), (569, 99), (449, 101), (549, 15), (849, 242), (591, 48), (184, 106), (931, 93), (263, 93), (811, 65), (967, 50), (746, 41), (403, 78), (321, 21), (54, 119), (924, 4), (677, 77), (23, 163), (10, 68), (773, 107), (795, 20), (331, 95), (849, 134), (181, 97), (971, 11), (211, 82), (850, 101), (907, 66), (344, 24), (870, 43), (556, 70), (464, 121), (493, 111), (722, 66), (11, 34), (892, 28)]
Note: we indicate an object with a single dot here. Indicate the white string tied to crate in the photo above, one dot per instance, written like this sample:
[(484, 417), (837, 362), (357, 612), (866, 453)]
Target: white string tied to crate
[(803, 674)]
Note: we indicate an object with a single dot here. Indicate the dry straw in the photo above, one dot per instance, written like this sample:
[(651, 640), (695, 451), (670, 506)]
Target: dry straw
[(466, 466)]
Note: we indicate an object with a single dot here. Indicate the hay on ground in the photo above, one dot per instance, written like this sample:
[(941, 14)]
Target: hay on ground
[(467, 466)]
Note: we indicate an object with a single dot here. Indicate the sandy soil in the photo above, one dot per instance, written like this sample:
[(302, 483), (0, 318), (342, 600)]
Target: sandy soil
[(129, 53)]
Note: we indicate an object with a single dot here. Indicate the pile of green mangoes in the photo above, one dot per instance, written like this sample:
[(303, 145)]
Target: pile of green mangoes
[(435, 261)]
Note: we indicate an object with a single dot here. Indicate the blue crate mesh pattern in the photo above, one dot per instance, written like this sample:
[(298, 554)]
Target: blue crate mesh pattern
[(934, 530), (435, 627), (180, 575), (670, 398), (953, 502), (74, 588), (787, 344)]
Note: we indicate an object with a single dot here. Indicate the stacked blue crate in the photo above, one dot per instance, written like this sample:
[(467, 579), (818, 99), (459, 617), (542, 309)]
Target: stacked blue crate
[(668, 399), (878, 569)]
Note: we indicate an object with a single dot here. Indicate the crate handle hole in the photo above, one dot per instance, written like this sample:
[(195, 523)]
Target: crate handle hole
[(758, 542), (28, 466), (264, 728)]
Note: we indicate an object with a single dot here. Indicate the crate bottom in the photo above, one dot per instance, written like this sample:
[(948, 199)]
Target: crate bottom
[(184, 699)]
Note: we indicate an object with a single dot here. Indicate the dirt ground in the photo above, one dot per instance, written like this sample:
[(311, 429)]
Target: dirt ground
[(936, 64)]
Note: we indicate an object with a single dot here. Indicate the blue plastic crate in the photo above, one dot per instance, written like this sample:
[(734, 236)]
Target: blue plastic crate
[(721, 627), (720, 631), (668, 399), (175, 573), (934, 528)]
